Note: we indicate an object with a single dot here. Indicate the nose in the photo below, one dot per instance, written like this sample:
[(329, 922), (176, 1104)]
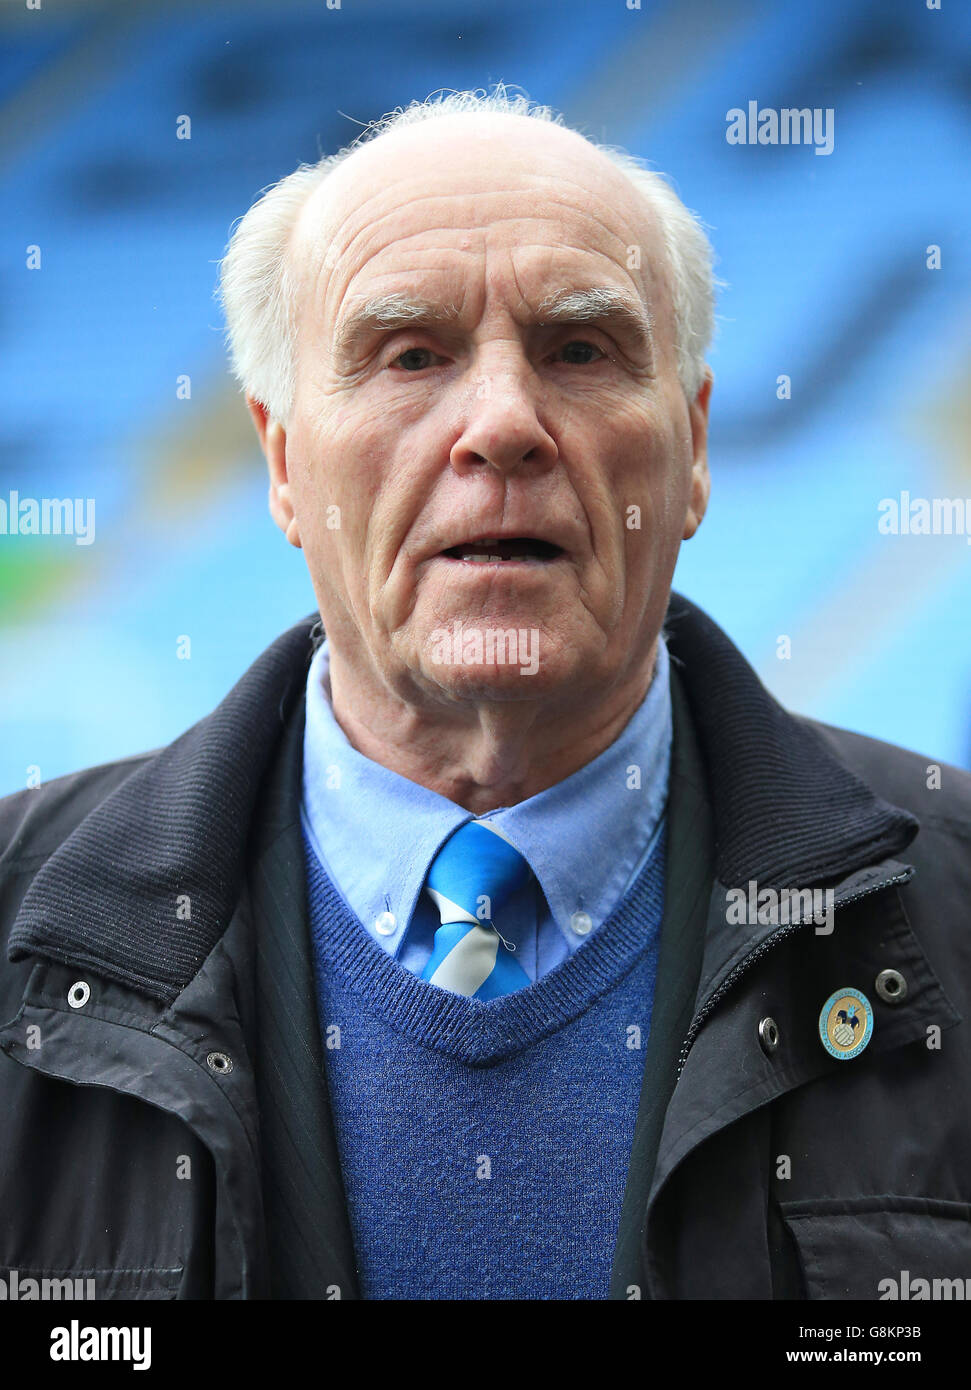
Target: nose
[(503, 429)]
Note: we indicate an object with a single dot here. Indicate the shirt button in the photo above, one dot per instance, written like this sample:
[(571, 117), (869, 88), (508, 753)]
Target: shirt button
[(385, 924), (581, 923)]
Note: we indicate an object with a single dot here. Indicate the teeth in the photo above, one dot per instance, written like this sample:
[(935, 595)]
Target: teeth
[(482, 559)]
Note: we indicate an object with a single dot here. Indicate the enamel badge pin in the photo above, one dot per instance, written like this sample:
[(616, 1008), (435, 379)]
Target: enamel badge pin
[(846, 1024)]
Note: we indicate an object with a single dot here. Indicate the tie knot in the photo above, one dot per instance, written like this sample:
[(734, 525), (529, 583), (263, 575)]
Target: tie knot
[(477, 862)]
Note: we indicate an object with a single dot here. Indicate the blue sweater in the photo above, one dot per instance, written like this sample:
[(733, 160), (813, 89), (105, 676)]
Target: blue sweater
[(485, 1146)]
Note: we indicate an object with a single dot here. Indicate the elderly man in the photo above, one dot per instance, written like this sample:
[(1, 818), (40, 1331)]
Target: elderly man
[(499, 935)]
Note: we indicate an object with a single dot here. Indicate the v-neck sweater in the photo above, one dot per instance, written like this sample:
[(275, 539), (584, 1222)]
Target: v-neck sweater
[(484, 1145)]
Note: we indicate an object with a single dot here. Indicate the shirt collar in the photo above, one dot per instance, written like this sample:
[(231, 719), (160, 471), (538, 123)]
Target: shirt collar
[(584, 836), (376, 832)]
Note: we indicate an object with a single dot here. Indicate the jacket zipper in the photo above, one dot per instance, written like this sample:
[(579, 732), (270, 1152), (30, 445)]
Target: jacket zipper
[(735, 974)]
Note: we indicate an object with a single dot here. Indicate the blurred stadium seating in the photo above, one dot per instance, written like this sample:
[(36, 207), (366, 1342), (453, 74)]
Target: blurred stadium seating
[(824, 259)]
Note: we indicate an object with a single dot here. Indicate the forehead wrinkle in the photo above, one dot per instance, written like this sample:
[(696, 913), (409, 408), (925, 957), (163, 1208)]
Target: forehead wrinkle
[(483, 224), (413, 247), (357, 226), (359, 219)]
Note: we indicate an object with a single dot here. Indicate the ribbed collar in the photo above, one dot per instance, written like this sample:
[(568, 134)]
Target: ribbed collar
[(785, 811)]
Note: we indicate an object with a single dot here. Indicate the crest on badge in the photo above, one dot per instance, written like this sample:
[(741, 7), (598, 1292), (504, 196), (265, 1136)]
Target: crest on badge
[(846, 1024)]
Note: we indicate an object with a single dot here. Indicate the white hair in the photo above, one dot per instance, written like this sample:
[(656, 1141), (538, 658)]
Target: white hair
[(257, 283)]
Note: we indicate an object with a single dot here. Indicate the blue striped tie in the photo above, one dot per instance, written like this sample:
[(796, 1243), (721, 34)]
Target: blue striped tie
[(470, 879)]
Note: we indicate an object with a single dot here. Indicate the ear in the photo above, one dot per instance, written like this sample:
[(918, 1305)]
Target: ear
[(273, 442), (700, 478)]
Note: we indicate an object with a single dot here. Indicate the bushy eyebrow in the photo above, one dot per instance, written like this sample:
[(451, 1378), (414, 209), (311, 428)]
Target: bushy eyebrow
[(386, 313), (603, 305)]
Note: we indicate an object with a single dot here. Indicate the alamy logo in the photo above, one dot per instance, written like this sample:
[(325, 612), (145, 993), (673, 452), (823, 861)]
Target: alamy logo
[(788, 125), (910, 1289), (48, 516), (775, 907), (76, 1343), (15, 1288), (925, 516), (486, 646)]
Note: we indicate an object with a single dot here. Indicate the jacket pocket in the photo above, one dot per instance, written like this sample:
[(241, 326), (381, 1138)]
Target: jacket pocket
[(909, 1248), (90, 1285)]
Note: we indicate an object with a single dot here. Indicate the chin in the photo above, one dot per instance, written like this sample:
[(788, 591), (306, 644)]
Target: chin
[(477, 686)]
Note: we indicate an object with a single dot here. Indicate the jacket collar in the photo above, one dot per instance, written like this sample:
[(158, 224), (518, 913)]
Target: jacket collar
[(176, 836), (787, 812)]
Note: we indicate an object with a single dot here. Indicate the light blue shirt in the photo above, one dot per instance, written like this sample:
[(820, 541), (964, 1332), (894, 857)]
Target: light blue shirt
[(586, 838)]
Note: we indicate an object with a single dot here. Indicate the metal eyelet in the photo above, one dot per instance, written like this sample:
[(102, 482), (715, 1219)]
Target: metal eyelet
[(769, 1035), (891, 986), (219, 1062), (79, 994)]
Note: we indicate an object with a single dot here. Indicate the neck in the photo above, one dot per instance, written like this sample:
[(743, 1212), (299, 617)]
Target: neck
[(483, 754)]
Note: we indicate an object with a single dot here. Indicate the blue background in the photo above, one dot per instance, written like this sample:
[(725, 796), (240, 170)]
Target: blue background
[(825, 259)]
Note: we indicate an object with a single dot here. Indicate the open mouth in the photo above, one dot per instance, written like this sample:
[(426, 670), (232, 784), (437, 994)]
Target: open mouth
[(525, 549)]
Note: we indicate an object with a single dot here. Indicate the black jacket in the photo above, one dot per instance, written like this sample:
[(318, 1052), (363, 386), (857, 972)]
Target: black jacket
[(165, 1123)]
